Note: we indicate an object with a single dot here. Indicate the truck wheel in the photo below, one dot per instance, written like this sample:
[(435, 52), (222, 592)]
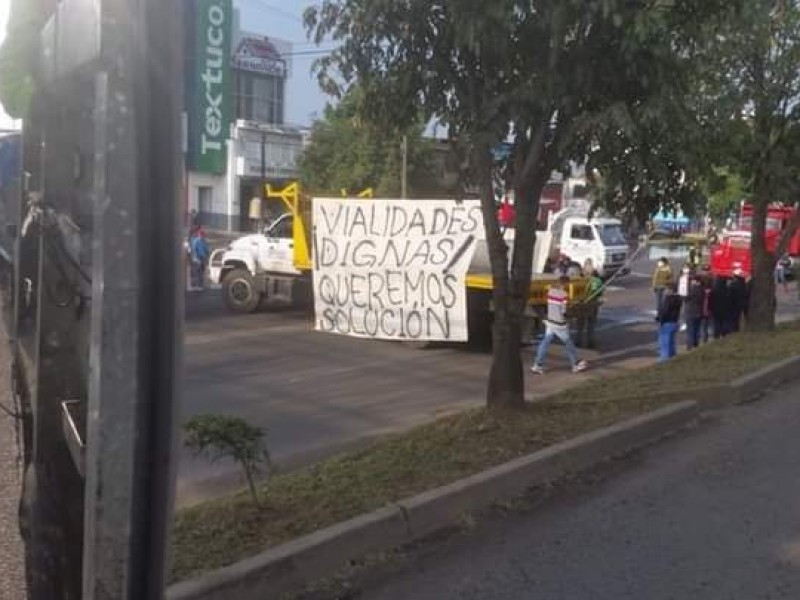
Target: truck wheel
[(239, 291)]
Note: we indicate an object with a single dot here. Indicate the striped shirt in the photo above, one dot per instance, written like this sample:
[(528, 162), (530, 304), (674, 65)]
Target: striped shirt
[(557, 300)]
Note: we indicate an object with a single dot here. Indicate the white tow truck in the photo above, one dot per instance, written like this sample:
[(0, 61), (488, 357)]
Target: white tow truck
[(276, 263)]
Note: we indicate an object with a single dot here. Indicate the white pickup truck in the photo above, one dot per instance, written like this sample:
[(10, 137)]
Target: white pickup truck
[(571, 232)]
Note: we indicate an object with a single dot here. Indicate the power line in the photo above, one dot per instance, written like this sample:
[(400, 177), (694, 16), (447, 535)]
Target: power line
[(266, 7)]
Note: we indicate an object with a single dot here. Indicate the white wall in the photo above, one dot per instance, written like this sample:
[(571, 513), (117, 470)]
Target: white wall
[(216, 215)]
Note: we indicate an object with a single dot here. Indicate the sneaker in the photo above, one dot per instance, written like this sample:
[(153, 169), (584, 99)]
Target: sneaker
[(580, 366), (537, 369)]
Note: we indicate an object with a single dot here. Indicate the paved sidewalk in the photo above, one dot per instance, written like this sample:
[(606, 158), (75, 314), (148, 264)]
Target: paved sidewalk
[(12, 574)]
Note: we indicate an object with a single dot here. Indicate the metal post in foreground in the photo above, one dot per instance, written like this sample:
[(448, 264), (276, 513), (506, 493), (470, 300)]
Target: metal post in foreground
[(137, 307)]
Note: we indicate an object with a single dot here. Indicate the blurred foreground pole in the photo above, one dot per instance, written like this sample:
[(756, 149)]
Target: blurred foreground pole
[(137, 306)]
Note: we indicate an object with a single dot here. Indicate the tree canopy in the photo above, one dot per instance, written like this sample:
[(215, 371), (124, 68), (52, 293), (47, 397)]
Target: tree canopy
[(18, 54), (348, 153), (559, 79), (747, 101)]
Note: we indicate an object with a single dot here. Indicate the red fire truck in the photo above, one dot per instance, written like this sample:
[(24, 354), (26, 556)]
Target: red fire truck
[(733, 248)]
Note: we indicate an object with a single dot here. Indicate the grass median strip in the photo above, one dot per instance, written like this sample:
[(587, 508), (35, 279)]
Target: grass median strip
[(223, 531)]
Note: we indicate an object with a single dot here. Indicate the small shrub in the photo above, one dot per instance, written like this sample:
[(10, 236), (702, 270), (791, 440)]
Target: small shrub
[(220, 436)]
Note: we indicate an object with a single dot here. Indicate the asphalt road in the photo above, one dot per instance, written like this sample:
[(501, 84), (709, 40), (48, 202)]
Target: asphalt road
[(710, 515), (318, 393)]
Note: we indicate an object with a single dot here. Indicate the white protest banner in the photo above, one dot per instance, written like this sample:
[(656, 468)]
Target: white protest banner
[(393, 269)]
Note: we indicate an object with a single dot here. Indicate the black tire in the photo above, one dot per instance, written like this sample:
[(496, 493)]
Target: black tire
[(239, 291)]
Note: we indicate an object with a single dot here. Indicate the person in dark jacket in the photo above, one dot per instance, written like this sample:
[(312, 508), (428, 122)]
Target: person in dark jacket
[(720, 307), (693, 312), (668, 318), (737, 294), (706, 280)]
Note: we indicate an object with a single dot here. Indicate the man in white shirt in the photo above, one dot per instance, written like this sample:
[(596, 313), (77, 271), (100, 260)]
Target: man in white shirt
[(683, 282), (556, 325)]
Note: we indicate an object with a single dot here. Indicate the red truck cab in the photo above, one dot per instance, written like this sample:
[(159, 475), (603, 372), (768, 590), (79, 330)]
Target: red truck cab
[(733, 249)]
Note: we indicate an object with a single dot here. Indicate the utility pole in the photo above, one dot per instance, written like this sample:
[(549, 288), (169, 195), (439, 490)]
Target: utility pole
[(404, 174), (263, 168)]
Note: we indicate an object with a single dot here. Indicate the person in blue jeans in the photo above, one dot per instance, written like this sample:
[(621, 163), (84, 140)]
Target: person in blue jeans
[(200, 253), (668, 319), (557, 326), (693, 312)]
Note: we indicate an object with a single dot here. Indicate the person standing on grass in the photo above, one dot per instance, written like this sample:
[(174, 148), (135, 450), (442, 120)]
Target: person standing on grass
[(737, 294), (663, 279), (683, 281), (668, 320), (706, 280), (693, 312), (557, 325), (720, 307)]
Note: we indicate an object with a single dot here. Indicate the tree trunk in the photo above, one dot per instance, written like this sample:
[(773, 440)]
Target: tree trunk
[(761, 306), (248, 473), (506, 389)]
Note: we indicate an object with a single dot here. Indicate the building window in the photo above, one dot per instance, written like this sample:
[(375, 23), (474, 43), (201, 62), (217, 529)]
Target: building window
[(258, 97), (205, 206)]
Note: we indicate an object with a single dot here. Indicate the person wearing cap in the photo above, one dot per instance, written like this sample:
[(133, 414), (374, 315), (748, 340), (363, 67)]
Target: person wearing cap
[(557, 325)]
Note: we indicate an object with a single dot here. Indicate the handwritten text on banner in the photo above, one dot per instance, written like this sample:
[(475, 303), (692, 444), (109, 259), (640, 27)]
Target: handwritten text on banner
[(393, 269)]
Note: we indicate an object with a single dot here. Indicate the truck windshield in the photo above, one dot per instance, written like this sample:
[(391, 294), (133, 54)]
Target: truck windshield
[(611, 234), (279, 228)]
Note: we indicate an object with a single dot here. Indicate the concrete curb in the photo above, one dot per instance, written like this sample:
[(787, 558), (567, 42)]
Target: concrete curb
[(321, 554), (445, 506), (277, 571), (755, 384), (312, 557)]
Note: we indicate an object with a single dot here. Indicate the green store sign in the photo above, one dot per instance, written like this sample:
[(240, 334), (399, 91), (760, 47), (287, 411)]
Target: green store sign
[(210, 86)]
